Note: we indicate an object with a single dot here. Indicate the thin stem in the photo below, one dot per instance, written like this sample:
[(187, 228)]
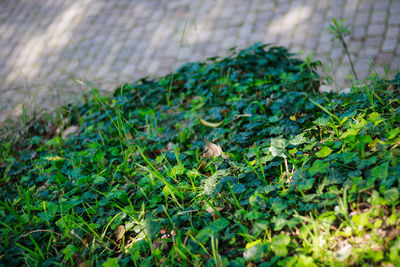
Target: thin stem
[(348, 54)]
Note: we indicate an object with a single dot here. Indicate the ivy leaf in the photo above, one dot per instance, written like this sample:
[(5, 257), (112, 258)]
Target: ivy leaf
[(219, 224), (321, 121), (238, 188), (334, 177), (254, 251), (257, 201), (212, 186), (279, 222), (279, 245), (305, 261), (260, 226), (111, 262), (324, 152), (151, 227), (391, 195), (361, 219), (278, 146), (99, 179), (70, 250), (381, 171), (318, 167), (298, 140), (204, 234)]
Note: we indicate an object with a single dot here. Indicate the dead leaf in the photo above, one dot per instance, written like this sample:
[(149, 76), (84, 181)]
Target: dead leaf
[(392, 235), (84, 264), (297, 116), (213, 151), (390, 87), (70, 130), (173, 232), (169, 146), (159, 243), (129, 137), (210, 124), (269, 101), (163, 231), (119, 232), (212, 211)]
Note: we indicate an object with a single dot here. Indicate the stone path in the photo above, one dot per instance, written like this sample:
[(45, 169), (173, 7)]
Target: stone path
[(45, 45)]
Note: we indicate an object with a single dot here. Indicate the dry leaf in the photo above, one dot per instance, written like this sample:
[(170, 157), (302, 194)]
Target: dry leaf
[(169, 146), (129, 137), (119, 232), (392, 235), (213, 151), (158, 244), (84, 264), (390, 87), (269, 101), (212, 211), (210, 124), (70, 130)]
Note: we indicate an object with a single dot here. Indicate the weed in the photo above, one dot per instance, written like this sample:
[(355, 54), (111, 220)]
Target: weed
[(311, 179)]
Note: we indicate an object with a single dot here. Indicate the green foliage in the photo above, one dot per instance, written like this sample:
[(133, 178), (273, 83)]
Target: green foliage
[(307, 179)]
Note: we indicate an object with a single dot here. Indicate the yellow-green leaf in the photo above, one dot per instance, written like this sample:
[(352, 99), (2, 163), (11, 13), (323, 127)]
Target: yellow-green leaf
[(56, 158), (211, 124), (324, 152)]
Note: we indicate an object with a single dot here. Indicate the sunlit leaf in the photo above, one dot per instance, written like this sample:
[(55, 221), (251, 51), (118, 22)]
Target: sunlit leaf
[(324, 152)]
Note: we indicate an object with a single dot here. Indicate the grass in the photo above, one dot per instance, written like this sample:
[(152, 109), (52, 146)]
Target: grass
[(290, 176)]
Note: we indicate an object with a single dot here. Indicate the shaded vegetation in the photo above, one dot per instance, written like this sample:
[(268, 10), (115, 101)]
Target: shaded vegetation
[(306, 179)]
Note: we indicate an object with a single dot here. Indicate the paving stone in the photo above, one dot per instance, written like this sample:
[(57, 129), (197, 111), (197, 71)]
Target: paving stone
[(373, 42), (310, 44), (342, 74), (395, 66), (376, 29), (359, 32), (113, 41), (389, 45), (362, 67), (384, 58), (370, 52), (394, 7), (392, 32), (230, 42), (362, 18), (379, 17), (394, 19), (381, 5), (337, 53), (351, 4), (354, 46), (365, 5)]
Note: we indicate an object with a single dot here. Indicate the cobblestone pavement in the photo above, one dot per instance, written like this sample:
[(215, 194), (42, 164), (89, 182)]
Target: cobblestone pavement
[(45, 45)]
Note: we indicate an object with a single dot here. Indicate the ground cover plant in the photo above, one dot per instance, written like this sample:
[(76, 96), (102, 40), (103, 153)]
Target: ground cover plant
[(231, 162)]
